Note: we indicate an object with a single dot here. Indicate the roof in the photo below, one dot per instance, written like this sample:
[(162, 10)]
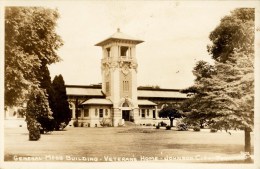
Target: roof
[(145, 102), (161, 94), (83, 91), (98, 101), (119, 36), (95, 90)]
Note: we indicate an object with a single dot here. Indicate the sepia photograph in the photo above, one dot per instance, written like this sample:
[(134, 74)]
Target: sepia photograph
[(129, 84)]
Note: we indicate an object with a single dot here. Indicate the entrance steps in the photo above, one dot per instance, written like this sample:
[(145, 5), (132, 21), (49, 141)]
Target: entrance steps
[(129, 124)]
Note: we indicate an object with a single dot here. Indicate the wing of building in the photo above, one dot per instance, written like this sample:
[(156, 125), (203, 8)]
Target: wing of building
[(93, 106)]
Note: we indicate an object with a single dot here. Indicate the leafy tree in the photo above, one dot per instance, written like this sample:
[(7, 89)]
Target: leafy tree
[(30, 44), (226, 97), (194, 107), (232, 91), (171, 113), (61, 111), (235, 31), (30, 40), (233, 50)]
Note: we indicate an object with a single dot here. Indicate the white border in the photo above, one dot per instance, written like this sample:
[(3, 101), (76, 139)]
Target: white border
[(152, 165)]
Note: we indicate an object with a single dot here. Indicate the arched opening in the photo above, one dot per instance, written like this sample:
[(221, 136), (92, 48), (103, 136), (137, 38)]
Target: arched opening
[(126, 109), (126, 115), (125, 104)]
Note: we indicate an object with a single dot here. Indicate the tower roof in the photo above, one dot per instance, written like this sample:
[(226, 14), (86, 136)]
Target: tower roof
[(119, 36)]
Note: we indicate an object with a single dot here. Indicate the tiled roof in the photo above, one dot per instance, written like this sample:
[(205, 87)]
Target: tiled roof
[(160, 94), (84, 91), (98, 101), (141, 93), (145, 102), (119, 35)]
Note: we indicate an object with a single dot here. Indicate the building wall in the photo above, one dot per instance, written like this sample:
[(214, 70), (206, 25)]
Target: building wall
[(14, 117), (125, 85), (95, 115)]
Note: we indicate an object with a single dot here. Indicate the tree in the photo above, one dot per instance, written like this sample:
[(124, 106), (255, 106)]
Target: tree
[(232, 91), (233, 50), (30, 40), (44, 79), (61, 112), (227, 96), (235, 31), (171, 113), (37, 108), (194, 107), (30, 44)]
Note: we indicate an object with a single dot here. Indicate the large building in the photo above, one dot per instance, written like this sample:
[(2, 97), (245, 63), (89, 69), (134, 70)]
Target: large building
[(118, 99)]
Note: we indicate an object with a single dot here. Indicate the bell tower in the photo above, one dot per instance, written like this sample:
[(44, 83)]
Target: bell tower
[(119, 69)]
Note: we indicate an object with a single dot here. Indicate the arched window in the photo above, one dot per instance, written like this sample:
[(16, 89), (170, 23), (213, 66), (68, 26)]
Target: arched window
[(86, 112), (125, 104)]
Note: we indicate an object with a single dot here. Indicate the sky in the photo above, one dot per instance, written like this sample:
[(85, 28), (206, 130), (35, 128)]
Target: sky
[(175, 35)]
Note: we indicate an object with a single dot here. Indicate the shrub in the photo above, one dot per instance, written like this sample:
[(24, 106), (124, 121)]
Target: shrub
[(182, 127), (148, 124), (196, 128), (76, 123), (163, 124), (47, 124), (62, 126), (82, 124), (158, 127), (34, 130), (105, 122), (168, 127), (213, 130)]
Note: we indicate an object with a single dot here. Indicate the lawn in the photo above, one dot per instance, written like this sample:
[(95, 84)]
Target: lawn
[(125, 144)]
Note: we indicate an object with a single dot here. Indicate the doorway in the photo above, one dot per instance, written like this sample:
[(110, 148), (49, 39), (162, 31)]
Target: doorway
[(126, 115)]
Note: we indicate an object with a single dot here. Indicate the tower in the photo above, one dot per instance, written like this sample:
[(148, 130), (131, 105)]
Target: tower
[(119, 69)]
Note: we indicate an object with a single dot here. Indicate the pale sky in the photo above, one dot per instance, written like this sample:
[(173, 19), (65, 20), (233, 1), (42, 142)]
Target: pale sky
[(175, 37)]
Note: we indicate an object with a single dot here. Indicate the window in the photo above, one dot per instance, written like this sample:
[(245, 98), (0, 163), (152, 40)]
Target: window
[(124, 50), (96, 112), (147, 112), (100, 113), (106, 112), (143, 113), (107, 86), (86, 112), (108, 52), (139, 112), (125, 86), (154, 114), (79, 113)]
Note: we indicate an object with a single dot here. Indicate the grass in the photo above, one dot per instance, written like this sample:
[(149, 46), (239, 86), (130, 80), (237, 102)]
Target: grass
[(137, 143)]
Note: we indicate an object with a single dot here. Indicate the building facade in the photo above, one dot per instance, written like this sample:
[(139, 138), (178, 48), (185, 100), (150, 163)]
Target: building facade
[(118, 99)]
